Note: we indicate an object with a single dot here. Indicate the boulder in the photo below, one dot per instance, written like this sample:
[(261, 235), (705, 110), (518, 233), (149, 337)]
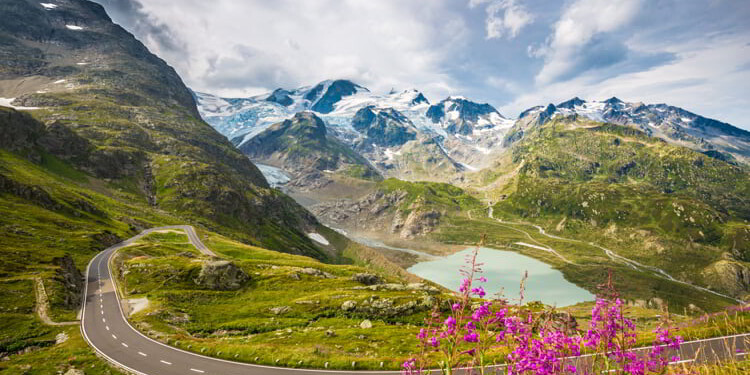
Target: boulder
[(367, 278), (365, 324), (280, 310), (349, 305), (221, 275), (317, 273)]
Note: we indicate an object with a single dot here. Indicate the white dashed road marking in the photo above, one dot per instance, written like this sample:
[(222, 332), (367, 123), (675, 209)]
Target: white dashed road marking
[(114, 337), (196, 370), (165, 362), (124, 344), (107, 327), (143, 354)]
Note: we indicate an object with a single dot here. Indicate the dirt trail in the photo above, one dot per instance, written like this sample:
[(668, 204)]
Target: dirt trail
[(42, 305)]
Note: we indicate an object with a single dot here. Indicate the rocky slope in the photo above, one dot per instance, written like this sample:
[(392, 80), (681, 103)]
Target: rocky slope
[(302, 147), (405, 209)]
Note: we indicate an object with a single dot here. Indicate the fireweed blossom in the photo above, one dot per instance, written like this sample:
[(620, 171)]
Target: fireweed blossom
[(473, 327)]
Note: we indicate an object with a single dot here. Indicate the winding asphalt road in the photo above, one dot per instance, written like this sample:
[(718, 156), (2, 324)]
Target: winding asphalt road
[(106, 329)]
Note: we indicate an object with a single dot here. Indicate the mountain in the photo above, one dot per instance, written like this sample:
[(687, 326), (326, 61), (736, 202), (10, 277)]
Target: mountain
[(458, 115), (384, 127), (667, 122), (118, 117), (302, 146), (656, 202), (455, 135)]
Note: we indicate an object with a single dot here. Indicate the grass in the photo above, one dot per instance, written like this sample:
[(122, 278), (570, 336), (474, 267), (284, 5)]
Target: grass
[(658, 204), (49, 358), (240, 325)]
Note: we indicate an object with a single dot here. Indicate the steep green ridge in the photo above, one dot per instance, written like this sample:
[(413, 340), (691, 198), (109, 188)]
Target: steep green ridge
[(658, 204), (115, 111), (302, 143)]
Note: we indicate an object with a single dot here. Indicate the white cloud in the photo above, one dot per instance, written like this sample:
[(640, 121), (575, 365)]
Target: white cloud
[(505, 18), (241, 47), (578, 25), (694, 81)]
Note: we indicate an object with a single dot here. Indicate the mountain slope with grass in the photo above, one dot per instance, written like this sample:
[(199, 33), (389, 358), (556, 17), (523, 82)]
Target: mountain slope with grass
[(662, 205), (114, 111)]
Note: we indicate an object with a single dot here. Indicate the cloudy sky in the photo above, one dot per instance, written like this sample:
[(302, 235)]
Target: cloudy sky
[(513, 54)]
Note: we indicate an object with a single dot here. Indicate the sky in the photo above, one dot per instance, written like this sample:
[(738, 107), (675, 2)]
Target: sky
[(513, 54)]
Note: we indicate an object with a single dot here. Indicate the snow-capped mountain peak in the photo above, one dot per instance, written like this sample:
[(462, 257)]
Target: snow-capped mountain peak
[(671, 123), (379, 125)]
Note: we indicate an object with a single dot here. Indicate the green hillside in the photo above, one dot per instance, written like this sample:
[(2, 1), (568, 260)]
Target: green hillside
[(661, 205)]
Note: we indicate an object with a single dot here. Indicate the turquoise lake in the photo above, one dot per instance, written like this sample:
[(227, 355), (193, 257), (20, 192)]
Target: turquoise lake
[(504, 270)]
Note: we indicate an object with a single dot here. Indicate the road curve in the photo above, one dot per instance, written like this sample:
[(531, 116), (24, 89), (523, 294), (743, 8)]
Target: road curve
[(106, 329)]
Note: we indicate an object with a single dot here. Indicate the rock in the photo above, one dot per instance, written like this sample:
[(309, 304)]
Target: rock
[(387, 308), (61, 338), (397, 224), (74, 371), (317, 273), (400, 287), (349, 305), (330, 333), (71, 279), (558, 321), (420, 222), (221, 275), (731, 276), (365, 324), (367, 278), (656, 302), (294, 276), (429, 301), (280, 310)]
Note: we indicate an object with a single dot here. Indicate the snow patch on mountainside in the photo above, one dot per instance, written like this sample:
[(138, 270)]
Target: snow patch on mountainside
[(318, 238), (275, 176)]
